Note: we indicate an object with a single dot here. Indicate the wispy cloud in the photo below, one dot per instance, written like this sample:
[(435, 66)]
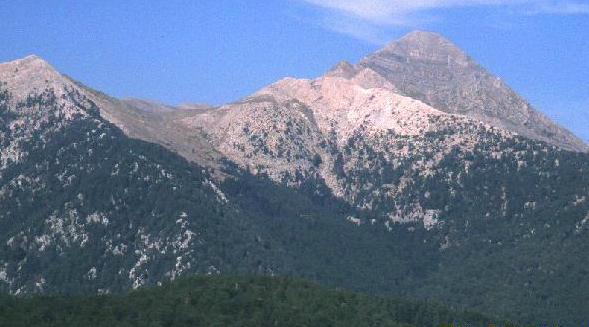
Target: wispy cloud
[(363, 19), (398, 12)]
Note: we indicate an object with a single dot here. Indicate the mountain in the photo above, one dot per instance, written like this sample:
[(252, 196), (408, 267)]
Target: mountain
[(87, 209), (355, 132), (430, 68), (345, 179), (232, 301), (500, 212)]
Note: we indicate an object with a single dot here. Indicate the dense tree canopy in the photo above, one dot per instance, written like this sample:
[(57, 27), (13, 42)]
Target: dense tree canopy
[(231, 301)]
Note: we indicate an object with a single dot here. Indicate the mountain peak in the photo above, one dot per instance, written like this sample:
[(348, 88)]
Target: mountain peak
[(423, 35), (28, 74), (430, 68), (422, 45), (29, 62), (342, 69), (31, 58)]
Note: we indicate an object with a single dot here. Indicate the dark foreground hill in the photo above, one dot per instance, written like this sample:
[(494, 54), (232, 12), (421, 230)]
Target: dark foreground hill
[(231, 301)]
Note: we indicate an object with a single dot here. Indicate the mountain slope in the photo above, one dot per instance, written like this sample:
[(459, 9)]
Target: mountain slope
[(477, 196), (432, 69), (86, 209)]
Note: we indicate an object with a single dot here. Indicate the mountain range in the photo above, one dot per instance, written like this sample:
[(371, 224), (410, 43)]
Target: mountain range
[(412, 173)]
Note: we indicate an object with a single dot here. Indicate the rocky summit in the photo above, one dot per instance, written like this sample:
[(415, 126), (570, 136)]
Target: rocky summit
[(412, 173), (430, 68)]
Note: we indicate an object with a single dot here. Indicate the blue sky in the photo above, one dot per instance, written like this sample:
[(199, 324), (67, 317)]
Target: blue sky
[(216, 51)]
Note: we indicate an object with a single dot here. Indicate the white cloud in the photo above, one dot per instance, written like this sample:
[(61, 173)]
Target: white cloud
[(391, 12), (364, 18)]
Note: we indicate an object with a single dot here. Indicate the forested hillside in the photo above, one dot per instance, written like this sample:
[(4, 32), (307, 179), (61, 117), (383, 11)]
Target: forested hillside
[(86, 209), (232, 301)]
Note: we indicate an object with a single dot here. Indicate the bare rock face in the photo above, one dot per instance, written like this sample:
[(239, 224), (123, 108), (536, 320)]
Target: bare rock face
[(430, 68), (340, 105), (338, 128), (30, 74)]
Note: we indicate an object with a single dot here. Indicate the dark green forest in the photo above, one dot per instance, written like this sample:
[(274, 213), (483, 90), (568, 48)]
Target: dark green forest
[(231, 301)]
